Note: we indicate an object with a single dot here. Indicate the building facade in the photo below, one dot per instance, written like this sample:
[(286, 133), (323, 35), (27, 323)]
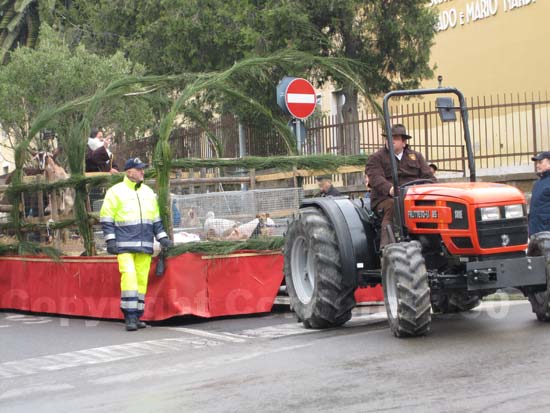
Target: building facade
[(489, 47), (7, 163)]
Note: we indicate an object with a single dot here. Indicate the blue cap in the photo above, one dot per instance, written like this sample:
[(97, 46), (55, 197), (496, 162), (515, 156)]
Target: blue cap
[(135, 163), (541, 156)]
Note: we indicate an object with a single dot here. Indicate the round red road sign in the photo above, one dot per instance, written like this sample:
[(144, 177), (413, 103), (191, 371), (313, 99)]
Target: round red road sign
[(300, 98)]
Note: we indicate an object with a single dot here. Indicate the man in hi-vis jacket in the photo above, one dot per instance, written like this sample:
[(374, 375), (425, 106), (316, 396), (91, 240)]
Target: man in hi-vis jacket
[(130, 221)]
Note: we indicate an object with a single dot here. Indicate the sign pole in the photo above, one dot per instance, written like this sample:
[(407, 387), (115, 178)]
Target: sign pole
[(242, 152), (299, 136)]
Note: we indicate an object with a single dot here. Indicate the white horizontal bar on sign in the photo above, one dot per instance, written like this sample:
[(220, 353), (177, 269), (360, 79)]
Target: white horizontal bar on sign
[(300, 98)]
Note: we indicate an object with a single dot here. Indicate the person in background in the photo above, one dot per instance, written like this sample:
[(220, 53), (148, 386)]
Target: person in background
[(130, 221), (433, 167), (325, 186), (98, 155), (176, 215)]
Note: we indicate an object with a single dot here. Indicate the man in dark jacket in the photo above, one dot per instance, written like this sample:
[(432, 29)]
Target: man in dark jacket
[(539, 211), (325, 186), (410, 166)]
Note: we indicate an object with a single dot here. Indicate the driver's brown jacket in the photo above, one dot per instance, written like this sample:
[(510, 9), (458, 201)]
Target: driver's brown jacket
[(411, 166)]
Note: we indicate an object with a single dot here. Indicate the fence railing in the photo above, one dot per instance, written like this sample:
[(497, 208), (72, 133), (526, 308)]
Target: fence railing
[(506, 130)]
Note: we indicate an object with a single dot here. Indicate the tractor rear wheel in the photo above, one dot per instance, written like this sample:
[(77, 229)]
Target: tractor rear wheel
[(540, 301), (406, 290), (313, 272)]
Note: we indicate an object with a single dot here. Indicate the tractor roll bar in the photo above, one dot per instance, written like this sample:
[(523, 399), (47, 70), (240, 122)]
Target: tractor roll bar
[(398, 221)]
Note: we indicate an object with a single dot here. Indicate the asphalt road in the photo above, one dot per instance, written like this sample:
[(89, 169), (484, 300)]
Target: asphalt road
[(492, 359)]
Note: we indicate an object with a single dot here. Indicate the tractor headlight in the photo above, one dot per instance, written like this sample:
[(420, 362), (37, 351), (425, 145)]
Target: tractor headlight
[(490, 213), (513, 211)]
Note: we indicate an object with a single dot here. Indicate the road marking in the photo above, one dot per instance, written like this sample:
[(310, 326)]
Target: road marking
[(208, 334), (191, 367), (237, 335), (29, 319), (101, 355), (26, 391), (47, 320), (292, 329), (365, 319), (17, 317), (4, 326), (278, 331)]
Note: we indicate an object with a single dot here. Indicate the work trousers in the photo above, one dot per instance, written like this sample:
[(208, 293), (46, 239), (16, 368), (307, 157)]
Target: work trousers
[(134, 274), (385, 210)]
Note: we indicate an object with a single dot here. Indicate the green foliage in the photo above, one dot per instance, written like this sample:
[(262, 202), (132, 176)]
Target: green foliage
[(228, 247), (19, 24), (52, 74), (30, 248), (38, 227), (392, 39), (328, 163), (168, 36)]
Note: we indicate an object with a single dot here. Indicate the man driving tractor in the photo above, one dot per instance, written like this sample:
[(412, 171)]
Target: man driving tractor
[(411, 166)]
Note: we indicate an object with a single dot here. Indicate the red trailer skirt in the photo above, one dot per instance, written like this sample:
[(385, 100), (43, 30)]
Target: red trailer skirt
[(241, 283)]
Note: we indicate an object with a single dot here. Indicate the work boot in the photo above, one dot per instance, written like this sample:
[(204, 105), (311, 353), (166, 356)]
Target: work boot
[(131, 323), (140, 324)]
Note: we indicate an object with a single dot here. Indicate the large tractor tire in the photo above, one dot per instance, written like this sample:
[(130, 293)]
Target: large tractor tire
[(455, 303), (313, 272), (540, 301), (406, 289)]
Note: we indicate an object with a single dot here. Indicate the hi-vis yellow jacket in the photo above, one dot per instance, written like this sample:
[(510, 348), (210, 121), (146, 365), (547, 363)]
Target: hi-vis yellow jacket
[(130, 215)]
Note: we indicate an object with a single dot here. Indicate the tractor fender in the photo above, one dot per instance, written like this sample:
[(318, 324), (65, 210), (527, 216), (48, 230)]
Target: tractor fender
[(350, 233)]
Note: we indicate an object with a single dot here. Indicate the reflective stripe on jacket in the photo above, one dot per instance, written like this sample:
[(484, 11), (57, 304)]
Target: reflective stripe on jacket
[(131, 217)]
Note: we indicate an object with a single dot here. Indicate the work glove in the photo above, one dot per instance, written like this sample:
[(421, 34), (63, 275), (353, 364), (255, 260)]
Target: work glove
[(161, 265), (111, 247), (166, 243)]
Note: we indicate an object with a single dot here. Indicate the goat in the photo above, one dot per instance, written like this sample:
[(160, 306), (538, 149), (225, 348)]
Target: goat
[(55, 172)]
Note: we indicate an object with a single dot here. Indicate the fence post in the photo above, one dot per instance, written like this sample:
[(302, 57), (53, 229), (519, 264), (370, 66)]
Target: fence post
[(191, 175), (202, 174), (427, 155), (40, 203), (534, 118), (242, 151), (463, 156), (252, 173)]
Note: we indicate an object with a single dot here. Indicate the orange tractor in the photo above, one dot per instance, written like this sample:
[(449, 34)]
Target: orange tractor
[(452, 244)]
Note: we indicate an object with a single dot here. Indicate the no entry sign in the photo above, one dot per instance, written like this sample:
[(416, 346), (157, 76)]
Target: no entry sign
[(297, 97)]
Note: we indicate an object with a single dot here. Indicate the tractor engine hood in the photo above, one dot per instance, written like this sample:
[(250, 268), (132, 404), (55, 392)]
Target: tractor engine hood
[(473, 193)]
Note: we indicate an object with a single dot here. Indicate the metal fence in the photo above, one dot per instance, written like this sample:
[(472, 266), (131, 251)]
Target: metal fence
[(506, 130)]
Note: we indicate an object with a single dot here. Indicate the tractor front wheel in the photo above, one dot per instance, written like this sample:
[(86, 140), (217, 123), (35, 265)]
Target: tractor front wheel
[(406, 290)]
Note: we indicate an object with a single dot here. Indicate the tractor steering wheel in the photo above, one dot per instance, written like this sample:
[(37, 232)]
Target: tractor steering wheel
[(416, 182)]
